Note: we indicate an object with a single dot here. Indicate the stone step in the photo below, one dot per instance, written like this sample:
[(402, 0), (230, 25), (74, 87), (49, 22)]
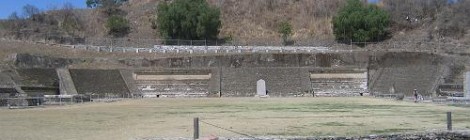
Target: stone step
[(66, 84)]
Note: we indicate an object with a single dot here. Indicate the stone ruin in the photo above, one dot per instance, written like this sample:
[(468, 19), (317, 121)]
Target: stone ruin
[(322, 74)]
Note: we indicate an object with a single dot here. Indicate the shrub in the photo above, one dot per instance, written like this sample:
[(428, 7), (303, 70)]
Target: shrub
[(187, 19), (285, 29), (360, 23)]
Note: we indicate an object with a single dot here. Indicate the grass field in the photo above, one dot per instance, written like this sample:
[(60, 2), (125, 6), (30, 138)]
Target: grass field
[(131, 119)]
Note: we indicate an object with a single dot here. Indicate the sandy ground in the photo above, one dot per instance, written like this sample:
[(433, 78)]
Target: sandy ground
[(130, 119)]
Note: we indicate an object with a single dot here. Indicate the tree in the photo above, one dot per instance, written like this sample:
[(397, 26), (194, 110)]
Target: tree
[(285, 29), (30, 10), (117, 26), (14, 24), (358, 22), (187, 19), (14, 16)]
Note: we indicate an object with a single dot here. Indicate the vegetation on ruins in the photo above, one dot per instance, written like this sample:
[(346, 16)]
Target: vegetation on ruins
[(358, 22), (187, 19), (285, 29)]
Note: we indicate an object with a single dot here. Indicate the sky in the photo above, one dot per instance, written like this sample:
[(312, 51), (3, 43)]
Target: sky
[(9, 6)]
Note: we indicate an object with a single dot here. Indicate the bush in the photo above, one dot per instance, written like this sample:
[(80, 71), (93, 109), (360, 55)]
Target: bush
[(358, 22), (117, 26), (187, 19), (285, 29)]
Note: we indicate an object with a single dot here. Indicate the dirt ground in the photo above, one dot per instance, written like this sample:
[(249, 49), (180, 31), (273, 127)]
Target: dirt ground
[(131, 119)]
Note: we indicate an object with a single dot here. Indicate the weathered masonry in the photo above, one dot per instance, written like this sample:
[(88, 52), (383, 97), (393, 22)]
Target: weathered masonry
[(172, 83), (339, 82), (325, 74)]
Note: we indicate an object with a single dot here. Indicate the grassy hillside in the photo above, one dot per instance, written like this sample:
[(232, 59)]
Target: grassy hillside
[(256, 21)]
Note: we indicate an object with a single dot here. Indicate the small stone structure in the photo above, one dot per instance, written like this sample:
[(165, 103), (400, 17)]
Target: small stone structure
[(261, 87)]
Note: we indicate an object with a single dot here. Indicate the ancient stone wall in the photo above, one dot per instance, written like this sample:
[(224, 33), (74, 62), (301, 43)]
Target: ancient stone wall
[(99, 82), (171, 82), (280, 81), (285, 74), (406, 72)]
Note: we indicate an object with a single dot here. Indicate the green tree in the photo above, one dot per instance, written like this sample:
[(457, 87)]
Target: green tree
[(187, 19), (117, 26), (285, 29), (358, 22)]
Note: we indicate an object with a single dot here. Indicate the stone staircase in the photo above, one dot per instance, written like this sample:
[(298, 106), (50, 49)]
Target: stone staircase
[(129, 81), (66, 84)]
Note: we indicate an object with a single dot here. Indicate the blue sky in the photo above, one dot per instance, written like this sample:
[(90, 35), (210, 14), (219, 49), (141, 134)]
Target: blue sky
[(9, 6)]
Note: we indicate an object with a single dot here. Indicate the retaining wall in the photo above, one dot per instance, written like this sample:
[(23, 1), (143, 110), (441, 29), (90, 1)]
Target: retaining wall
[(100, 82), (408, 71)]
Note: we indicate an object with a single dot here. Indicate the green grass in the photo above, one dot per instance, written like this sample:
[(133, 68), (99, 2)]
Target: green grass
[(131, 119)]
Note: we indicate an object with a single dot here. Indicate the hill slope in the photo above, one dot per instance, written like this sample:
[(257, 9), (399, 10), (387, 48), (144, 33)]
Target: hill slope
[(255, 22)]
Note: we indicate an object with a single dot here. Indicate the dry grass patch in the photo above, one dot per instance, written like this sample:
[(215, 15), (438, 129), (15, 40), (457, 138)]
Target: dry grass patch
[(260, 117)]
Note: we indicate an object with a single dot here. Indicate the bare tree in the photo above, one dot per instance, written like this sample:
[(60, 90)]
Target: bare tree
[(68, 20), (29, 11), (14, 16), (14, 24)]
